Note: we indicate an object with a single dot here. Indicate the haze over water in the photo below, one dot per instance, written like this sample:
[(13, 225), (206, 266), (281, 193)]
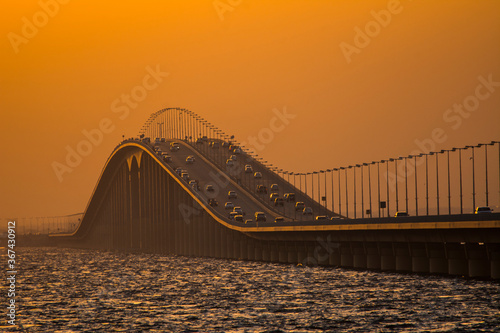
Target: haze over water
[(69, 290)]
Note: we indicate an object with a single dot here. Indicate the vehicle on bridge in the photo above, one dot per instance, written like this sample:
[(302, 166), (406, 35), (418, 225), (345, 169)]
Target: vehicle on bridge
[(213, 202), (185, 175), (190, 159), (260, 216), (279, 201), (229, 162), (273, 196), (166, 157), (275, 187), (257, 175), (279, 219), (199, 141), (232, 157), (307, 211), (232, 215), (483, 210), (239, 210), (401, 214), (321, 218), (289, 197), (229, 205), (299, 206), (238, 218), (209, 188), (248, 168), (232, 195), (178, 171), (174, 146), (261, 189)]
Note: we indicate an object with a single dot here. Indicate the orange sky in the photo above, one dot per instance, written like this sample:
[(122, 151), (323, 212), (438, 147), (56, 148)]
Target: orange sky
[(233, 66)]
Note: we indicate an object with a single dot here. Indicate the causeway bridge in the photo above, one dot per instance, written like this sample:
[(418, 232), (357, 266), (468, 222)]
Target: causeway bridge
[(166, 190)]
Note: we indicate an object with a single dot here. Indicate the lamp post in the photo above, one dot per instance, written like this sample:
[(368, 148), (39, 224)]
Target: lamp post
[(388, 201), (340, 196), (437, 181), (396, 182), (378, 185), (473, 179), (460, 176), (406, 182), (427, 182), (369, 187), (331, 175)]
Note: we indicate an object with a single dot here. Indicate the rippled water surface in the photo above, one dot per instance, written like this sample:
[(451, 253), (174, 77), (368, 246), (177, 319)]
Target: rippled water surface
[(65, 290)]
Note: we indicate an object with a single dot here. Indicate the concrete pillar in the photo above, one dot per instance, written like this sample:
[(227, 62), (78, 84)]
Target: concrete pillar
[(420, 262), (495, 265), (282, 254), (358, 256), (387, 258), (274, 253), (291, 254), (334, 259), (403, 258), (372, 258), (457, 262), (479, 265), (438, 264), (346, 257), (257, 251), (266, 252)]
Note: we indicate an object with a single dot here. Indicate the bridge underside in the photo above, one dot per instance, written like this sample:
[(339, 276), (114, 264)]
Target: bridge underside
[(138, 205)]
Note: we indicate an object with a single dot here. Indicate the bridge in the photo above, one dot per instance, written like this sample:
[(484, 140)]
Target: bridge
[(166, 190)]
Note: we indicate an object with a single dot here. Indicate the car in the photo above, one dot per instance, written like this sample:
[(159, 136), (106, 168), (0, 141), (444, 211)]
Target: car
[(194, 184), (273, 196), (237, 150), (232, 215), (204, 138), (232, 147), (279, 219), (174, 146), (209, 188), (214, 144), (162, 140), (279, 201), (190, 159), (239, 210), (225, 144), (229, 205), (157, 140), (229, 163), (185, 176), (232, 195), (335, 218), (178, 171), (483, 210), (260, 216), (307, 211), (238, 218), (157, 149), (261, 189), (167, 158), (257, 175), (232, 157), (212, 202), (401, 214), (248, 221), (199, 141), (321, 218), (299, 206), (248, 168), (275, 187), (290, 197)]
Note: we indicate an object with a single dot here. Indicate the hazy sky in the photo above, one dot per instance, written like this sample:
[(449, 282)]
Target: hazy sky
[(365, 80)]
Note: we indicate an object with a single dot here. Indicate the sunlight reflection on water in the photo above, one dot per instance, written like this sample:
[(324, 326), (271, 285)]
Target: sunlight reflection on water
[(82, 290)]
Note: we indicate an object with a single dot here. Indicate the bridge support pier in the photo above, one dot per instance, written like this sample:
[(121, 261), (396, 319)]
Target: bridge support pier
[(495, 265), (387, 259), (403, 258), (292, 254), (419, 260), (358, 256), (457, 261), (479, 265), (373, 258), (346, 257)]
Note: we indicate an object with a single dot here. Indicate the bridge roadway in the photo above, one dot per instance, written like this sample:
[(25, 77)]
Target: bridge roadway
[(138, 200)]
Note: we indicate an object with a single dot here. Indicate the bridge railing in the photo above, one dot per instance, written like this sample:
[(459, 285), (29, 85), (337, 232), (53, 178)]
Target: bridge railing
[(449, 181)]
